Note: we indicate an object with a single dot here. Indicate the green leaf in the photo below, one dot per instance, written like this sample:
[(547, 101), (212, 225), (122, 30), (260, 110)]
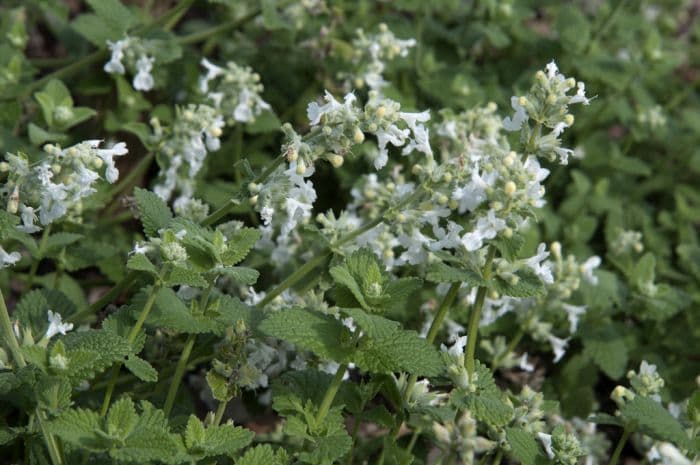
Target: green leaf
[(79, 427), (440, 272), (400, 351), (122, 418), (608, 350), (374, 326), (341, 275), (491, 408), (114, 13), (154, 213), (140, 262), (263, 454), (527, 284), (524, 447), (141, 369), (654, 420), (239, 274), (509, 247), (179, 275), (8, 222), (170, 312), (239, 245), (214, 440), (314, 331)]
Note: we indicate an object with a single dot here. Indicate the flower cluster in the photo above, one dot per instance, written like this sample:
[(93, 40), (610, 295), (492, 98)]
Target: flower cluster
[(234, 90), (55, 186), (371, 53), (547, 106), (133, 54)]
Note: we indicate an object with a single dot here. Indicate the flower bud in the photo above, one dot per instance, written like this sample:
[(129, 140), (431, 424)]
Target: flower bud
[(522, 101), (510, 188), (442, 199), (301, 167), (551, 99), (97, 163), (4, 167), (555, 247), (358, 136), (253, 188), (336, 161), (292, 154), (380, 111), (215, 131), (569, 119), (253, 200)]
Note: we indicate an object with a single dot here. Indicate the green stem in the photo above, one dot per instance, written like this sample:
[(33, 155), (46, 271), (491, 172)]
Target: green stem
[(435, 326), (530, 148), (227, 208), (185, 356), (179, 373), (411, 444), (330, 393), (132, 336), (497, 459), (42, 250), (219, 414), (8, 335), (475, 317), (620, 445)]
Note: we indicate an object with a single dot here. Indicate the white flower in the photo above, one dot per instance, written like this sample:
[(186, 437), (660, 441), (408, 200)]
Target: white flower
[(515, 122), (457, 348), (588, 267), (8, 259), (421, 136), (647, 369), (671, 455), (28, 216), (558, 346), (524, 365), (541, 268), (552, 70), (114, 65), (580, 96), (107, 155), (213, 72), (143, 79), (314, 111), (564, 154), (140, 248), (393, 135), (56, 325), (486, 228), (546, 440), (573, 313)]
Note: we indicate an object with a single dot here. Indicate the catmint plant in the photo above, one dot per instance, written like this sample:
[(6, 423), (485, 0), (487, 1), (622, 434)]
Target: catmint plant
[(370, 232)]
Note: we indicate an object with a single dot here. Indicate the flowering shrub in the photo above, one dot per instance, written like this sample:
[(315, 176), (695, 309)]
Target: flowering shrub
[(319, 232)]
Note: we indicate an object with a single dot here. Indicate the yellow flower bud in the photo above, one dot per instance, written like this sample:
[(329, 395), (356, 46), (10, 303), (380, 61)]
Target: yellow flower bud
[(569, 119), (380, 111), (358, 136), (336, 161), (510, 188)]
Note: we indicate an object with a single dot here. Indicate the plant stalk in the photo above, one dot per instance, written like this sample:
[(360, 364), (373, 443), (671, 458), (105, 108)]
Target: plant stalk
[(132, 336), (330, 393), (8, 334), (620, 445), (475, 317)]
